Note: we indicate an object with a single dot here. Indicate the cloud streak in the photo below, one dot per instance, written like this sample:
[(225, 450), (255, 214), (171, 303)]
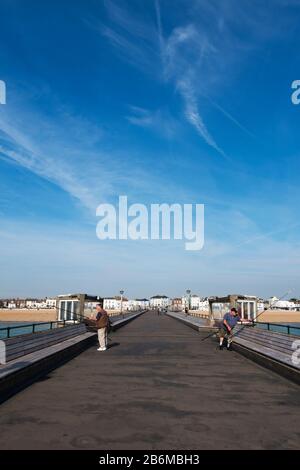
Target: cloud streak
[(188, 58), (193, 116), (199, 54)]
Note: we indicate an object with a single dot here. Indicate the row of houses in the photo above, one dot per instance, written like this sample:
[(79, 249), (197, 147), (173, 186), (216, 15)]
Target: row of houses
[(71, 305), (194, 302), (77, 305), (116, 303), (28, 303), (273, 303), (109, 303)]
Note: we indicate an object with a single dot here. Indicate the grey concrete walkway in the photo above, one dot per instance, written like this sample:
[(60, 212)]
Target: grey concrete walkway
[(196, 321), (160, 387)]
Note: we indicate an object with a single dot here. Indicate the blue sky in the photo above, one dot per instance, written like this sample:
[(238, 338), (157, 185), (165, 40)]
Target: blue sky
[(163, 101)]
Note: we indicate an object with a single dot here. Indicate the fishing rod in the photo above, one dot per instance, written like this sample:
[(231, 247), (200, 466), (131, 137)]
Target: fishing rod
[(85, 320), (252, 321), (82, 319)]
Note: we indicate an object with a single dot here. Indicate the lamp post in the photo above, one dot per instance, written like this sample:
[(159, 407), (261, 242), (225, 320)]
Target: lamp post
[(121, 292), (188, 292)]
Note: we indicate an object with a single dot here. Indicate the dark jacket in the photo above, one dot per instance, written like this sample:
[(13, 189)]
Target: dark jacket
[(102, 319)]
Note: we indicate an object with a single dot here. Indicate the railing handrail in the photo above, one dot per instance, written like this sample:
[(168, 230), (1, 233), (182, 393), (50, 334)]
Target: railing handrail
[(75, 318), (24, 325), (33, 326), (276, 324), (281, 325)]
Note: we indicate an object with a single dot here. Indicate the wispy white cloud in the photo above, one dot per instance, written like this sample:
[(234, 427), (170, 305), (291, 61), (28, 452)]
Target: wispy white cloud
[(187, 57), (160, 120), (160, 34), (63, 150), (68, 150), (130, 50), (193, 116), (230, 117), (199, 55)]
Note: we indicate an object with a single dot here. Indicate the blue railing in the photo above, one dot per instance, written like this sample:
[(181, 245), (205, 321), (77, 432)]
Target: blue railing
[(279, 328), (25, 329), (18, 330)]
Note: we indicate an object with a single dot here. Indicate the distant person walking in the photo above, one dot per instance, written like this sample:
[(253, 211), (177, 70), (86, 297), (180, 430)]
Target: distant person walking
[(229, 322), (102, 323)]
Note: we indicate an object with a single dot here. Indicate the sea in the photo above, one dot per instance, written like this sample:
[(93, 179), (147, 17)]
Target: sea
[(281, 327), (23, 328)]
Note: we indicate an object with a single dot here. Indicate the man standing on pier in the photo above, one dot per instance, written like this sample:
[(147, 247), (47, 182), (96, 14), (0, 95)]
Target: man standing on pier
[(102, 322), (229, 322)]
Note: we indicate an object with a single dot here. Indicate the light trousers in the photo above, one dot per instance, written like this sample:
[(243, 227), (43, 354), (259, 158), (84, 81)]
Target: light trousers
[(102, 336)]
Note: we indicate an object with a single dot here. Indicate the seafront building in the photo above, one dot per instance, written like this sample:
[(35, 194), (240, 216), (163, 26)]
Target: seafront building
[(29, 303), (176, 304), (116, 303), (196, 303), (159, 301), (137, 304)]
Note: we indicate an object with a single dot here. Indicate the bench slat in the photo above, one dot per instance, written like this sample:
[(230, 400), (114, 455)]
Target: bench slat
[(27, 344)]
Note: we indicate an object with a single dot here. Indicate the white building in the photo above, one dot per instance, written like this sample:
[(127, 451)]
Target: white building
[(40, 303), (159, 301), (297, 305), (204, 305), (50, 303), (35, 303), (196, 303), (109, 303), (114, 303), (260, 306), (138, 304), (272, 301), (284, 304)]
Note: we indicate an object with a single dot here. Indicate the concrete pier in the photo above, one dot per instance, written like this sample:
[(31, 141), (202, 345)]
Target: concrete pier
[(157, 387)]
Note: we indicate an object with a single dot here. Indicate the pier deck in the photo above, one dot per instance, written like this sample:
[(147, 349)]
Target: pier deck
[(157, 387)]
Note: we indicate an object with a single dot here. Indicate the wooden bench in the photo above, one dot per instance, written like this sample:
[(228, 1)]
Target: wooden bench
[(26, 344), (277, 346)]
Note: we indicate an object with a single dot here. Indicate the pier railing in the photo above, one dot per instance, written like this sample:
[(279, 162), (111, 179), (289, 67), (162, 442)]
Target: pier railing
[(24, 329), (279, 328)]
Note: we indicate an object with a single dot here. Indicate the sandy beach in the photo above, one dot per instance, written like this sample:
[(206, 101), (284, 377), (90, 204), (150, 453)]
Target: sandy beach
[(269, 316), (31, 315), (28, 315), (279, 316)]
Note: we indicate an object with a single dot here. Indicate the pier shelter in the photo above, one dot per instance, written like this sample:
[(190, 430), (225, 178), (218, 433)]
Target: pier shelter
[(245, 304), (75, 306)]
